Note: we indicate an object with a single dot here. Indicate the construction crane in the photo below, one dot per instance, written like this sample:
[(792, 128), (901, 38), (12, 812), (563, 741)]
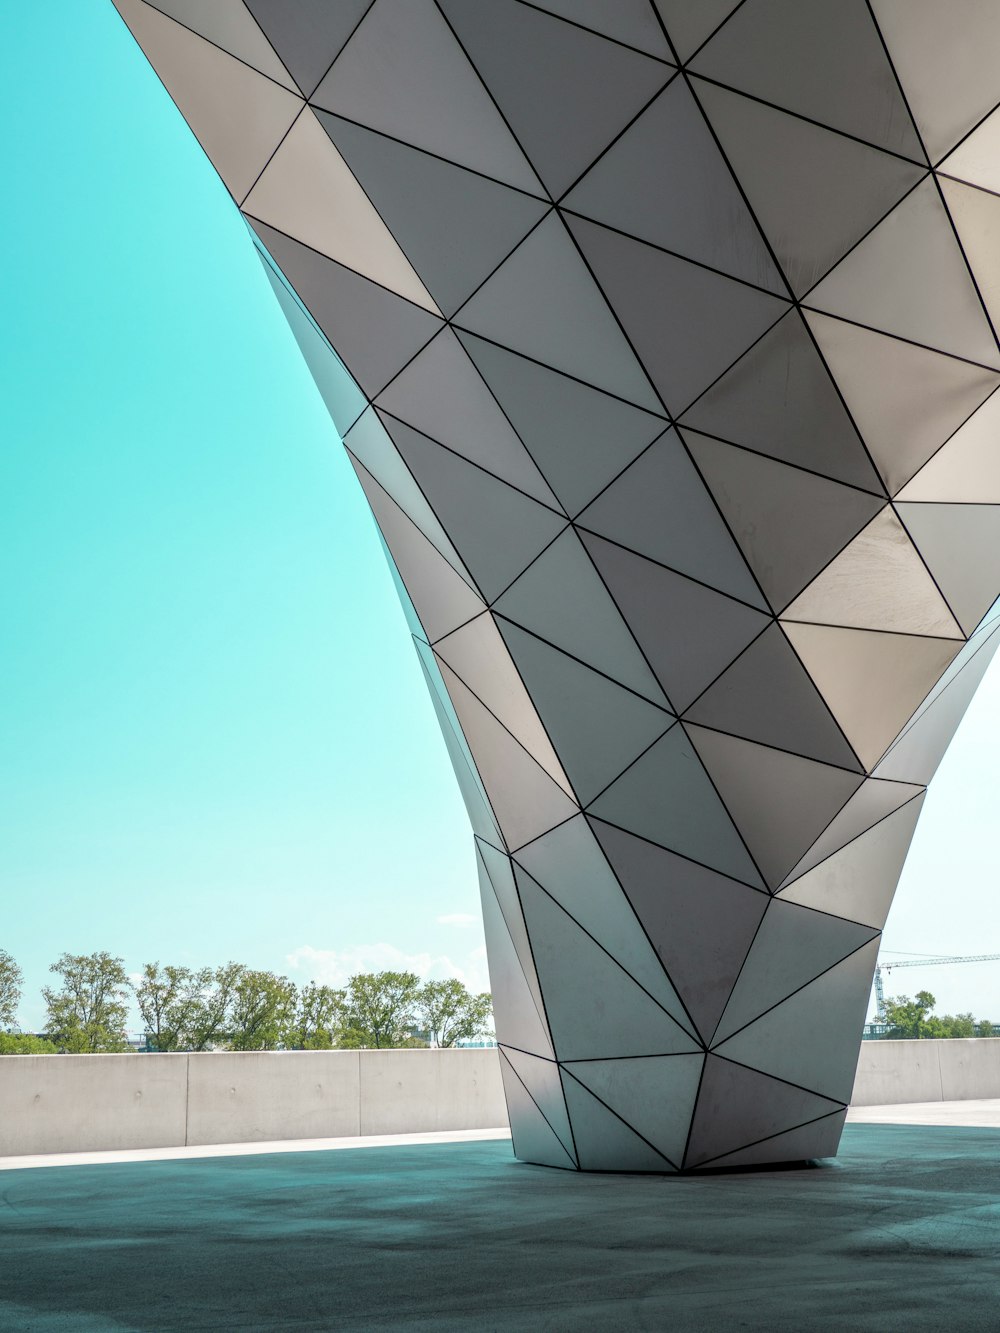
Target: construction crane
[(921, 962)]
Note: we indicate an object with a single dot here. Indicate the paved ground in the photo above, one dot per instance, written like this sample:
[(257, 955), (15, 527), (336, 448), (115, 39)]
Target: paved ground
[(902, 1232), (978, 1114)]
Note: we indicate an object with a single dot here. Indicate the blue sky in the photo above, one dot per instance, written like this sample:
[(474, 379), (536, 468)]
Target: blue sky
[(216, 739)]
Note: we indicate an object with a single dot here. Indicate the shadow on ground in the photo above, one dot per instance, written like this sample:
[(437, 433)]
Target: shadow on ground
[(901, 1232)]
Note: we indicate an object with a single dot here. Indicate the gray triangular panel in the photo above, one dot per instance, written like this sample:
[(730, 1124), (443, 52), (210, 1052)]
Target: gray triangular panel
[(712, 320), (832, 1009), (701, 923), (779, 802), (497, 530), (561, 598), (874, 800), (404, 73), (630, 21), (824, 61), (374, 331), (525, 799), (543, 303), (905, 400), (579, 437), (788, 522), (570, 866), (516, 1019), (815, 1139), (533, 1136), (659, 507), (666, 797), (688, 632), (594, 1008), (690, 204), (565, 92), (307, 35), (859, 880), (541, 1079), (960, 544), (815, 193), (442, 394), (603, 1141), (596, 727), (793, 946), (453, 225), (767, 696), (737, 1106), (779, 399), (656, 1096), (442, 599)]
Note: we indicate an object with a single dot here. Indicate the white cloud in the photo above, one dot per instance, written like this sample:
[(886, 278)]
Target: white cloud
[(334, 967), (461, 919)]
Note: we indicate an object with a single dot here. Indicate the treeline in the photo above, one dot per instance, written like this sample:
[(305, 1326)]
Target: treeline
[(235, 1008), (906, 1018)]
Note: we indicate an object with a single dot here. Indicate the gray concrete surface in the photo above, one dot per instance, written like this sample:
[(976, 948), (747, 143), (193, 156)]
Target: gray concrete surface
[(978, 1114), (892, 1072), (80, 1103), (901, 1233)]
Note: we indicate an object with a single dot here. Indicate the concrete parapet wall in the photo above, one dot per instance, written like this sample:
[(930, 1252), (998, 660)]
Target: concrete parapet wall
[(87, 1103), (890, 1072)]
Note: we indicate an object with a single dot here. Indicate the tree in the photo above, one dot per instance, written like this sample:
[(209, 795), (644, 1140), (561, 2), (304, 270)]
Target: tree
[(380, 1008), (319, 1019), (913, 1018), (448, 1012), (208, 1018), (23, 1043), (88, 1013), (172, 1002), (261, 1011), (11, 979)]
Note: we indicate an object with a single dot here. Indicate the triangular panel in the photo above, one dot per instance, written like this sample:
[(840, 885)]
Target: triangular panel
[(779, 399), (788, 522), (688, 632), (403, 73), (832, 1010), (871, 682), (905, 400), (594, 1007), (779, 802), (517, 1019), (960, 544), (543, 1084), (793, 946), (858, 881), (534, 1139), (656, 1096), (543, 302), (453, 225), (690, 204), (815, 193), (712, 319), (442, 394), (700, 923), (659, 507), (561, 599), (767, 696), (666, 796), (307, 35), (579, 437), (596, 727), (603, 1141), (738, 1106), (565, 92)]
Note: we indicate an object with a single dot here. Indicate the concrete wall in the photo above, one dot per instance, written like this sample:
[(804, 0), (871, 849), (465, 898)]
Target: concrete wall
[(85, 1103), (927, 1071)]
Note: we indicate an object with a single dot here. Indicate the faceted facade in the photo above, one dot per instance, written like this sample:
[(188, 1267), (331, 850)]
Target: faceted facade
[(665, 352)]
